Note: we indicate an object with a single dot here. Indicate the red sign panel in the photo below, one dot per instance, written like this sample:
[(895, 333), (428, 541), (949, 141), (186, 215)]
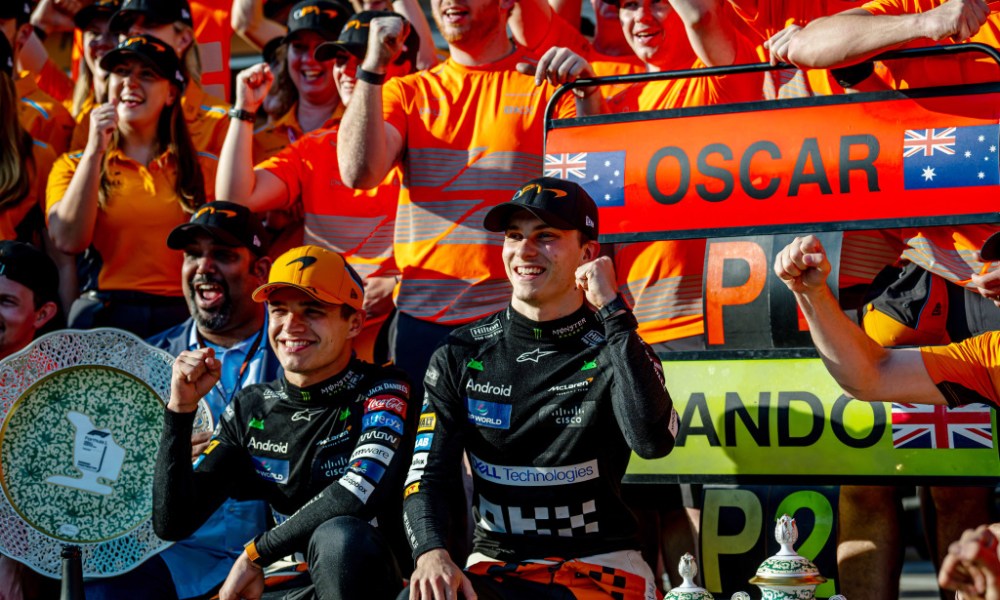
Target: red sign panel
[(839, 163)]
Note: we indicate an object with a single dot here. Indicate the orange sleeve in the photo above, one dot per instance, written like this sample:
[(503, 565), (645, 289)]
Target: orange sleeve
[(287, 166), (44, 159), (888, 7), (968, 371), (54, 82), (59, 178), (395, 105)]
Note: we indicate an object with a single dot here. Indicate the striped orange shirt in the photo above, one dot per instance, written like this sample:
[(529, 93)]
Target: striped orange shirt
[(472, 136)]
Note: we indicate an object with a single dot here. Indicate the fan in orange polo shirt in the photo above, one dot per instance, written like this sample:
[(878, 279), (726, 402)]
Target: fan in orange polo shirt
[(124, 193), (41, 115), (315, 103), (172, 22), (358, 224)]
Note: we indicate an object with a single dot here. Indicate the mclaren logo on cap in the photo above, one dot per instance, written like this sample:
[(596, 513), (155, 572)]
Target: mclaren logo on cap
[(307, 261), (212, 210), (356, 24), (539, 189), (315, 10)]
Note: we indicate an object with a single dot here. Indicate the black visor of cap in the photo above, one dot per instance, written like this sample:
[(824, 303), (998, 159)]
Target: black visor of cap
[(150, 50), (991, 248)]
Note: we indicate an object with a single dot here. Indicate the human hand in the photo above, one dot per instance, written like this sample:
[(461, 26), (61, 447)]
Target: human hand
[(803, 265), (972, 566), (955, 19), (244, 582), (199, 441), (378, 295), (779, 42), (437, 577), (597, 280), (252, 86), (103, 122), (988, 285), (195, 373), (386, 39), (559, 66)]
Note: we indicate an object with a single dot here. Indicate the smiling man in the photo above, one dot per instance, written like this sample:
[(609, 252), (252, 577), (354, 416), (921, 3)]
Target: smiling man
[(319, 444), (548, 398)]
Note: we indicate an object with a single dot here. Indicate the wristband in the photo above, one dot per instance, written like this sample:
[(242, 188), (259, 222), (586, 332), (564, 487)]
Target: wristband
[(369, 77), (605, 312), (242, 115), (852, 75), (251, 550)]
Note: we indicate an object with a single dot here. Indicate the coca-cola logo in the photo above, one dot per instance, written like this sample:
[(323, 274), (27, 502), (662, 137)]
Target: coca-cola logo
[(386, 402)]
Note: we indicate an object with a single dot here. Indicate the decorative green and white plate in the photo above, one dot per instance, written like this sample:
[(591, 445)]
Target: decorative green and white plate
[(81, 414)]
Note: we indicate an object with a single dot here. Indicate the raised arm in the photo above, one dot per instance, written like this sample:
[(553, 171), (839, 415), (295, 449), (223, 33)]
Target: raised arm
[(856, 35), (711, 34), (182, 498), (427, 53), (236, 179), (73, 217), (247, 19), (642, 406), (862, 367), (367, 146)]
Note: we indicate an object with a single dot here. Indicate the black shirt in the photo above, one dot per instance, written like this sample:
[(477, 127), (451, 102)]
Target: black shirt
[(319, 452), (547, 413)]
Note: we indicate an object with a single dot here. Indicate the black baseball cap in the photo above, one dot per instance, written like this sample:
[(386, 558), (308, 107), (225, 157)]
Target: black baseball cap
[(151, 50), (227, 222), (30, 267), (354, 38), (16, 9), (157, 11), (6, 56), (100, 9), (991, 248), (559, 203), (325, 17)]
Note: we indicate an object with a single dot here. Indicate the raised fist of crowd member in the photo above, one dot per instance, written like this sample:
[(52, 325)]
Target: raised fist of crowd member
[(955, 20)]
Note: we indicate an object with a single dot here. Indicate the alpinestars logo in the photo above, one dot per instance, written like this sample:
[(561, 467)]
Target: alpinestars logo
[(534, 355)]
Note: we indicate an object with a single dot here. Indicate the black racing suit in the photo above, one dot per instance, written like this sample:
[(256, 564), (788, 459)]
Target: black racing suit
[(547, 413), (325, 451)]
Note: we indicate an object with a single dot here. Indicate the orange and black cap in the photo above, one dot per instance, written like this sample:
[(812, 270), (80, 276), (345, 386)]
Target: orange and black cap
[(324, 17), (156, 11), (100, 9), (354, 39), (151, 50), (559, 203), (226, 222), (322, 274)]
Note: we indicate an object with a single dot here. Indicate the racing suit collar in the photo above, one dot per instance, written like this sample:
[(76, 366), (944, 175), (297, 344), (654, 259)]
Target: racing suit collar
[(331, 389), (569, 327)]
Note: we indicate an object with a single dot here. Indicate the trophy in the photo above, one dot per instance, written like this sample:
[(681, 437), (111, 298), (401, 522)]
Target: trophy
[(786, 575), (688, 590)]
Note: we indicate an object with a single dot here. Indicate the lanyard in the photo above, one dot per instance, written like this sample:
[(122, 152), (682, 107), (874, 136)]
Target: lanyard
[(243, 367)]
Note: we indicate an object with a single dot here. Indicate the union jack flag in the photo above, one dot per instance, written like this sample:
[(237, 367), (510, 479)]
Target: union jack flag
[(929, 141), (935, 426), (563, 165)]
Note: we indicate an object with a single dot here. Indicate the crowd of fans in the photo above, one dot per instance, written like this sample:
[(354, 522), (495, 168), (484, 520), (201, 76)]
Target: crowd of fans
[(357, 135)]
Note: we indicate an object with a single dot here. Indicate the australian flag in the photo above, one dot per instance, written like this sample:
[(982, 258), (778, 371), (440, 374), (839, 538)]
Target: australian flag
[(935, 426), (951, 157), (602, 174)]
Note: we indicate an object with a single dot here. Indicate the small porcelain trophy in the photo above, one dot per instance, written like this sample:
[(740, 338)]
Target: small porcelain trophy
[(786, 575), (687, 590)]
